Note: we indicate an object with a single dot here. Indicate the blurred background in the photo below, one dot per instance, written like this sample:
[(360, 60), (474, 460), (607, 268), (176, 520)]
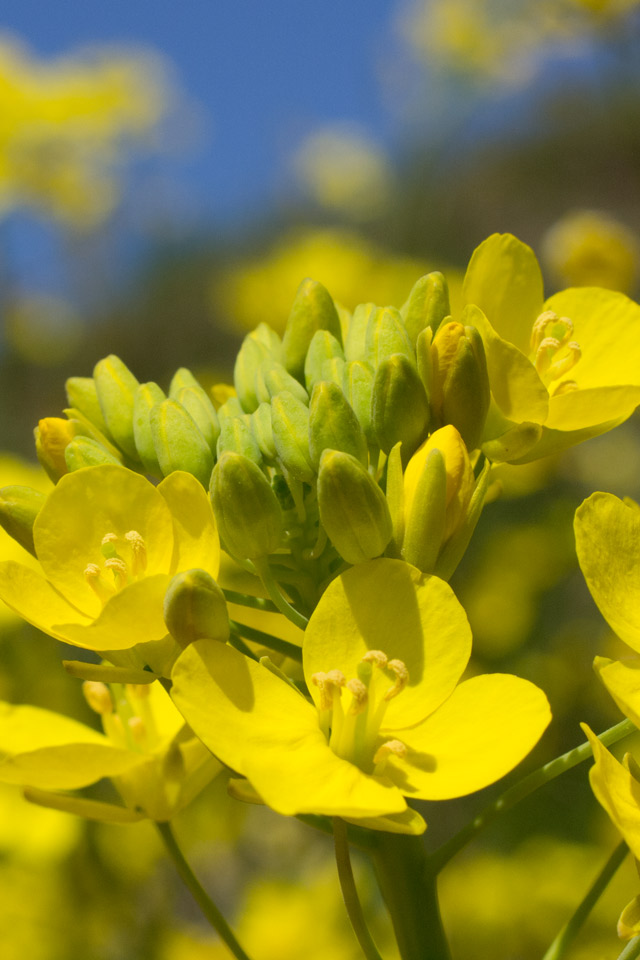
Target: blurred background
[(168, 175)]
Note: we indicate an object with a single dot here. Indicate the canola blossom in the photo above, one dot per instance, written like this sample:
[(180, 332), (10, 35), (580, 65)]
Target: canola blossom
[(383, 655), (568, 364), (156, 764), (108, 543)]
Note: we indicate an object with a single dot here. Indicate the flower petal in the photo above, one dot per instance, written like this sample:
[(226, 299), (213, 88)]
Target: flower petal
[(391, 606), (617, 790), (81, 509), (622, 680), (486, 727), (39, 748), (197, 543), (135, 615), (259, 726), (32, 597), (589, 407), (608, 546), (503, 279)]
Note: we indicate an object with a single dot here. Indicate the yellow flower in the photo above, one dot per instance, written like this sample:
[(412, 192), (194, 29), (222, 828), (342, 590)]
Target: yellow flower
[(108, 543), (156, 764), (383, 654), (570, 364)]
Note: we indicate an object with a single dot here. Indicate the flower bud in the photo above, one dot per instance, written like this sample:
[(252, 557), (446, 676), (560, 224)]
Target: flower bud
[(460, 384), (276, 380), (427, 305), (438, 485), (230, 408), (356, 339), (147, 395), (246, 508), (357, 386), (83, 396), (181, 378), (262, 430), (116, 388), (333, 425), (87, 452), (386, 335), (178, 442), (52, 436), (250, 356), (313, 309), (236, 436), (196, 402), (195, 608), (323, 346), (290, 421), (19, 507), (399, 405), (353, 508)]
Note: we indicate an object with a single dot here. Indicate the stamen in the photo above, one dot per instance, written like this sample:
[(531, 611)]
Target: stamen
[(544, 354), (93, 576), (98, 696), (565, 363), (567, 386), (392, 748), (108, 545), (376, 657), (402, 678), (360, 696), (120, 571), (327, 683), (539, 329), (138, 729), (138, 550)]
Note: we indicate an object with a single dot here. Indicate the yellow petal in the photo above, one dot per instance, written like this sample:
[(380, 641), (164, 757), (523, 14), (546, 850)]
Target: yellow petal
[(503, 279), (130, 617), (617, 790), (42, 749), (32, 597), (486, 727), (82, 508), (391, 606), (409, 821), (197, 543), (589, 407), (260, 727), (622, 680), (608, 546), (629, 922)]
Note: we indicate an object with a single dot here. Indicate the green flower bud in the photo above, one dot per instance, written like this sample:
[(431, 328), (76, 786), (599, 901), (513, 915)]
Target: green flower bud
[(290, 422), (313, 309), (147, 396), (83, 396), (195, 608), (267, 336), (178, 442), (460, 392), (333, 425), (85, 428), (236, 436), (386, 335), (357, 386), (353, 508), (332, 370), (116, 388), (424, 359), (399, 406), (251, 355), (181, 378), (262, 430), (427, 305), (246, 508), (355, 345), (86, 452), (196, 402), (19, 507), (276, 380), (323, 347), (229, 409)]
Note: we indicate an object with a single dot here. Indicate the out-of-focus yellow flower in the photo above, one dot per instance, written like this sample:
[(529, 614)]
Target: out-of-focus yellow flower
[(344, 170), (63, 126), (43, 330), (587, 248), (352, 269)]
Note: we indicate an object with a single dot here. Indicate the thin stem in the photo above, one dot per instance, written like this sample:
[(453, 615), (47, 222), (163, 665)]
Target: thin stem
[(198, 893), (246, 600), (275, 643), (283, 605), (569, 932), (349, 891), (522, 789), (631, 951)]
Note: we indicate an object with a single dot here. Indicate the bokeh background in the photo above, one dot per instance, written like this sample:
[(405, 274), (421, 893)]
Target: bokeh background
[(168, 175)]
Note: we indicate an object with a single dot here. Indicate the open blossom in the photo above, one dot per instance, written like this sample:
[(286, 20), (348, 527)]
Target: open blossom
[(570, 364), (382, 655), (109, 542)]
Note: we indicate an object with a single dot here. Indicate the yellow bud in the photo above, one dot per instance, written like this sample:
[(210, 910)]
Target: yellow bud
[(52, 435)]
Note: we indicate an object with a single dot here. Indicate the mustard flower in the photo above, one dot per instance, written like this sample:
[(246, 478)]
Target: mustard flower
[(382, 656), (109, 542), (570, 364), (155, 762)]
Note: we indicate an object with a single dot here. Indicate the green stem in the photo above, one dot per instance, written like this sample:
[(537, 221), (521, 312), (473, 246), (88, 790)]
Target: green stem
[(569, 932), (409, 889), (205, 903), (272, 588), (275, 643), (246, 600), (349, 891), (522, 789), (631, 951)]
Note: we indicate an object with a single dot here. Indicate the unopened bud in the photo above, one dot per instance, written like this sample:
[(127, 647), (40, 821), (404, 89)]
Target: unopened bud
[(83, 396), (353, 508), (263, 431), (178, 442), (147, 396), (19, 507), (246, 508), (427, 305), (460, 392), (236, 436), (52, 435), (250, 356), (323, 347), (333, 425), (290, 421), (116, 388), (276, 380), (196, 402), (195, 608), (355, 345), (399, 406), (357, 386), (312, 310), (386, 335), (86, 452)]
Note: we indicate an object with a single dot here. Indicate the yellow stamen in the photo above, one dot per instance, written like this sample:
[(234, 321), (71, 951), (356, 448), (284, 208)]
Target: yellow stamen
[(98, 696), (359, 694), (138, 551), (567, 386), (120, 571), (392, 748), (402, 678), (93, 576), (566, 362), (376, 657), (138, 729)]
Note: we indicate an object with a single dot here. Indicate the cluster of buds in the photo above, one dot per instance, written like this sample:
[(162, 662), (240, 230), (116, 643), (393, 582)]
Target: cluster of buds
[(351, 437)]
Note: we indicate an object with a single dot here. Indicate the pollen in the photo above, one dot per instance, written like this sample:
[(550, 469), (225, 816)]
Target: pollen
[(401, 678), (359, 694)]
